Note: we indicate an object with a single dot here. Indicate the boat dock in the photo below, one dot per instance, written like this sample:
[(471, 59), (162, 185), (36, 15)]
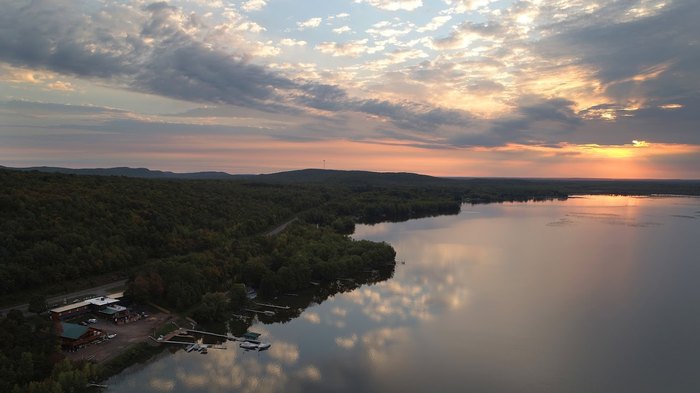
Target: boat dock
[(171, 341), (250, 337), (270, 313), (227, 337), (272, 306)]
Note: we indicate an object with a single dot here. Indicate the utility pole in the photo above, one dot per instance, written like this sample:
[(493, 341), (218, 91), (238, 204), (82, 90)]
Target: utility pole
[(324, 164)]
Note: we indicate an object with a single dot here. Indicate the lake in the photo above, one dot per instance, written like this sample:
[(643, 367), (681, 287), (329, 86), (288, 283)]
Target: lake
[(591, 294)]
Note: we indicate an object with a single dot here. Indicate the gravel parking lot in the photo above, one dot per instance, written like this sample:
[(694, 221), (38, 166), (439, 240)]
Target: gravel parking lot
[(127, 335)]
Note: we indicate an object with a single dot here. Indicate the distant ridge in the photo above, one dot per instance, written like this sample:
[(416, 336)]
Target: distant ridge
[(354, 178), (351, 178), (143, 173), (307, 176)]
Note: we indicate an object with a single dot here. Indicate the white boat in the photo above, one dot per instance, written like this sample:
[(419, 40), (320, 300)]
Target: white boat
[(263, 346), (248, 345)]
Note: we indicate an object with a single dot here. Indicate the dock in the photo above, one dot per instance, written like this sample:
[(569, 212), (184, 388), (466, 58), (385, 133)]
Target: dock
[(272, 306), (250, 337), (270, 313), (227, 337), (171, 341)]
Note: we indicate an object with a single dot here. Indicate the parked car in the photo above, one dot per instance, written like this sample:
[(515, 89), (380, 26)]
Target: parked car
[(92, 320), (111, 336)]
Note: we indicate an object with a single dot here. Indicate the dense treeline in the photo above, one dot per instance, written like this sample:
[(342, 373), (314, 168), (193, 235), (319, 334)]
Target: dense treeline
[(29, 360), (54, 228), (287, 262)]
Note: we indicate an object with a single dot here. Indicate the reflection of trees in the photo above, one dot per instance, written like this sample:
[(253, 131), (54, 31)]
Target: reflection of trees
[(314, 295)]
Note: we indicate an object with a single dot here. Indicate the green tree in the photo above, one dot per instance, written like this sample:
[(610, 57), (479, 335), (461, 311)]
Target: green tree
[(25, 367), (37, 304), (213, 307), (237, 296)]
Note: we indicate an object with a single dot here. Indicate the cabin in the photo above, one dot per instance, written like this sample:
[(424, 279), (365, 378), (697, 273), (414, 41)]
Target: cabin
[(73, 335)]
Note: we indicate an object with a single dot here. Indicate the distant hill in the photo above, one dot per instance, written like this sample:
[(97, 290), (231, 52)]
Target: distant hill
[(304, 176), (505, 188), (311, 176), (142, 173)]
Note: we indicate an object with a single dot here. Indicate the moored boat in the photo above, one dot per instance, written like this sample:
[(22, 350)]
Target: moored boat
[(248, 345)]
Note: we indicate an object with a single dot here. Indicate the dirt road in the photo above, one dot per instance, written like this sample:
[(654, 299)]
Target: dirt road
[(127, 335)]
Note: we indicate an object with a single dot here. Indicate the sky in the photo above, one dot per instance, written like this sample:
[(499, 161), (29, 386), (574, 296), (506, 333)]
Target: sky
[(560, 88)]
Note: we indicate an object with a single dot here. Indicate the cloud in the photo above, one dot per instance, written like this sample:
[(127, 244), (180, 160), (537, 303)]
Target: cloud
[(346, 342), (435, 23), (21, 75), (309, 23), (470, 32), (414, 116), (254, 5), (462, 6), (292, 42), (394, 57), (312, 317), (193, 72), (549, 71), (386, 29), (61, 86), (393, 5), (53, 108), (47, 36), (342, 29), (634, 57), (166, 57), (349, 48)]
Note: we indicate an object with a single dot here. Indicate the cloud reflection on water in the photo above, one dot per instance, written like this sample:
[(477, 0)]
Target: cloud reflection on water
[(496, 300)]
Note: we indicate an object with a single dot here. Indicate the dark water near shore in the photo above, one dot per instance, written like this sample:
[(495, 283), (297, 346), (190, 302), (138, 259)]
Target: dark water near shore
[(592, 294)]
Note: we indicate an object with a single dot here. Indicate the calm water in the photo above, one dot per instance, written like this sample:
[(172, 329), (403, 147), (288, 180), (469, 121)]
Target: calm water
[(592, 294)]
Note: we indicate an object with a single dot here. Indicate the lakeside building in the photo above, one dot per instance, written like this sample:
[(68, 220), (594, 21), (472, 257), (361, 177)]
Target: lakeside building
[(106, 305), (73, 335)]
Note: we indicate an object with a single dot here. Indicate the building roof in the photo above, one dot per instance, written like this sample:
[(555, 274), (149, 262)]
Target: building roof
[(102, 301), (72, 331), (69, 307), (98, 301), (111, 310)]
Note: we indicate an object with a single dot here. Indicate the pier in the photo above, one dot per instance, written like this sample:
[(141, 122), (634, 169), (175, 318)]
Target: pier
[(228, 337), (272, 306), (250, 337), (171, 341), (270, 313)]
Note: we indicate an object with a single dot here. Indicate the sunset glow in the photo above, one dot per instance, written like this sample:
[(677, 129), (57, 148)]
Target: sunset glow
[(449, 88)]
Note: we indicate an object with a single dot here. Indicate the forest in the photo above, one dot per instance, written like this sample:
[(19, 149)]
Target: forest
[(55, 228)]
